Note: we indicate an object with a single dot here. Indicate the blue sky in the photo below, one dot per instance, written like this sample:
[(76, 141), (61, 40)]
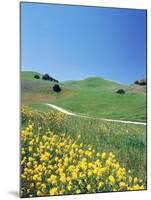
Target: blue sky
[(75, 42)]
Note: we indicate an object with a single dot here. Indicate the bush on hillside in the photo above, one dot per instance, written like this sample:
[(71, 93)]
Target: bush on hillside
[(120, 91), (49, 78), (46, 77), (56, 88), (55, 80), (136, 82), (37, 76), (140, 82)]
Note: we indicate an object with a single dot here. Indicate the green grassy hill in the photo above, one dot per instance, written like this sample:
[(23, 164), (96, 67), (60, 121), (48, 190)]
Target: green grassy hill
[(28, 75), (96, 97), (93, 96), (92, 83)]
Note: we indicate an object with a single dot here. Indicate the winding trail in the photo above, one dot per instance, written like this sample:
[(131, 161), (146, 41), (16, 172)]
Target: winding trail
[(88, 117)]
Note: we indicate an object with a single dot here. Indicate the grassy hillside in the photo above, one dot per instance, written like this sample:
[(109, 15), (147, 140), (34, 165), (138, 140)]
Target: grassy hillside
[(93, 83), (127, 141), (95, 97), (92, 96), (28, 75)]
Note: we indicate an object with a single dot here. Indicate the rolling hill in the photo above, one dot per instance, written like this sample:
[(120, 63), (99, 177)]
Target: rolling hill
[(92, 96)]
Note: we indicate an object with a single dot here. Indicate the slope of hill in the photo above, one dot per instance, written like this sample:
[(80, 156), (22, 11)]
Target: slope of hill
[(92, 83), (28, 75), (93, 96)]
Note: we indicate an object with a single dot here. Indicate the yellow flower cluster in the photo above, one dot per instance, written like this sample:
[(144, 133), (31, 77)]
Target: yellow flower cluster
[(44, 118), (54, 164)]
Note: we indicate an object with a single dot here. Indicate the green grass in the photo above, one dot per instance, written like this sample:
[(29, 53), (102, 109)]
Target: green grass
[(93, 83), (28, 75), (92, 96), (126, 141), (39, 107), (95, 97), (106, 105)]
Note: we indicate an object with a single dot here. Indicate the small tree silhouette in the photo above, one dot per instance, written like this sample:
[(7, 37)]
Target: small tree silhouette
[(46, 77), (37, 76), (136, 82), (56, 88), (142, 82), (120, 91)]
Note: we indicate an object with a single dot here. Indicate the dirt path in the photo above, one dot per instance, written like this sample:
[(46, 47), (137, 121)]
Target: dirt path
[(88, 117)]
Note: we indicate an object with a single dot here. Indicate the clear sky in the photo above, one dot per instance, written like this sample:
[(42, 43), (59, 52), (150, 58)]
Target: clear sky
[(75, 42)]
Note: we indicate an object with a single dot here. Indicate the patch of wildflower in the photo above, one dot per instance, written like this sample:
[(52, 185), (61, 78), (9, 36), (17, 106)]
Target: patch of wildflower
[(54, 164), (43, 120)]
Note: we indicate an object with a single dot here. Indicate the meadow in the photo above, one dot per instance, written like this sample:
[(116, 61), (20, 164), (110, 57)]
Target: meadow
[(64, 155), (93, 96)]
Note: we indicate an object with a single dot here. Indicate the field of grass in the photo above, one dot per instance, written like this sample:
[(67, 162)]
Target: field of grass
[(28, 75), (124, 145), (93, 96), (127, 141), (67, 155)]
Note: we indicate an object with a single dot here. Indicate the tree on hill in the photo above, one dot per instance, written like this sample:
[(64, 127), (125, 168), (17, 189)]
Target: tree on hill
[(120, 91), (56, 88), (136, 82), (49, 78), (141, 82), (37, 76), (46, 77), (55, 80)]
